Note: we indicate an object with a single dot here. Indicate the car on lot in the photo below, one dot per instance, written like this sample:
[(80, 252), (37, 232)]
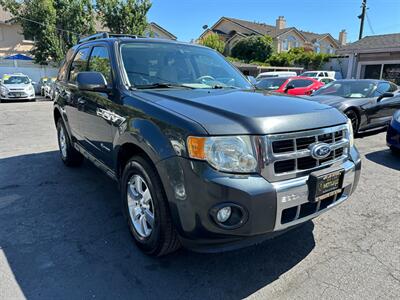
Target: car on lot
[(202, 159), (16, 87), (39, 88), (290, 85), (369, 104), (393, 133), (275, 74), (49, 88), (329, 74)]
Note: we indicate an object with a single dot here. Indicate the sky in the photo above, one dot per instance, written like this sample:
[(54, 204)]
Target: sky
[(185, 18)]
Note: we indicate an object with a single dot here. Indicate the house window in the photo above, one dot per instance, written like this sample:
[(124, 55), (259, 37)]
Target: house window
[(317, 47), (289, 43)]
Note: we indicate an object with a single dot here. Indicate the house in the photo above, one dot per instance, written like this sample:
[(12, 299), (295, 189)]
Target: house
[(12, 41), (374, 57), (231, 30)]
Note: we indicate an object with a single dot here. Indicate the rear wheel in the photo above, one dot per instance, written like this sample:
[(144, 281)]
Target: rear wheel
[(355, 121), (69, 155), (395, 151), (146, 209)]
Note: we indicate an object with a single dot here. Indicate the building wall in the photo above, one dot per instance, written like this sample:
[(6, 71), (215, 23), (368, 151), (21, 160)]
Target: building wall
[(12, 41)]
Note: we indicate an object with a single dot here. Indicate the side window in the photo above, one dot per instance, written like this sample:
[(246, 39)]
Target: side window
[(326, 74), (321, 74), (300, 83), (79, 63), (382, 88), (100, 62), (63, 72)]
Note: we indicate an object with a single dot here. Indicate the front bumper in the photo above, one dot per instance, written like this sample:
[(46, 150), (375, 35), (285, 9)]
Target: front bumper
[(193, 189), (24, 97), (393, 135)]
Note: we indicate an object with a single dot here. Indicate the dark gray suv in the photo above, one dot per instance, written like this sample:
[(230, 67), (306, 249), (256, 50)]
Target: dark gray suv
[(201, 158)]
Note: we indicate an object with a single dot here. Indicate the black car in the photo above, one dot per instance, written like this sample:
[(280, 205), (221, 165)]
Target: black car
[(202, 159), (369, 104)]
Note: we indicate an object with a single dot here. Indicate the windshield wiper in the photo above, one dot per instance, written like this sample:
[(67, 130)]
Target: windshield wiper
[(161, 85), (219, 86)]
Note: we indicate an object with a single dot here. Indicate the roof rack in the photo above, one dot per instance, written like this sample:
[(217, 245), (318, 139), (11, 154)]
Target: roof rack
[(105, 35)]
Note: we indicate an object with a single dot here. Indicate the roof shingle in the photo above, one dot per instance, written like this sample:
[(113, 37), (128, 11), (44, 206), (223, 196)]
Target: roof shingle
[(374, 42)]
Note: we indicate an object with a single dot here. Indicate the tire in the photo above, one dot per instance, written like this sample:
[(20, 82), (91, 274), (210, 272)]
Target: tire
[(355, 120), (68, 154), (395, 151), (160, 237)]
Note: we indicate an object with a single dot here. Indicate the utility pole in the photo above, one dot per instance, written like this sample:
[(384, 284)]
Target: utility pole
[(362, 17)]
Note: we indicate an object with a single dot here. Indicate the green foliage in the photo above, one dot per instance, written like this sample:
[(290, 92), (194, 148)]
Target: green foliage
[(213, 41), (124, 16), (253, 48), (42, 19), (299, 57)]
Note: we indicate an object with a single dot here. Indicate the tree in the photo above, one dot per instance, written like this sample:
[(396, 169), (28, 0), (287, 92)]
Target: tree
[(124, 16), (54, 25), (253, 48), (213, 41), (299, 57)]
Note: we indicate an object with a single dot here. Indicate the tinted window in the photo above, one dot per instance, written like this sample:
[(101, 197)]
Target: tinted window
[(326, 80), (63, 72), (383, 87), (100, 62), (347, 89), (393, 87), (299, 83), (79, 64), (271, 83)]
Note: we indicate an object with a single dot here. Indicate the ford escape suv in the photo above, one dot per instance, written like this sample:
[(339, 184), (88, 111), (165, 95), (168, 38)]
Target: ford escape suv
[(202, 159)]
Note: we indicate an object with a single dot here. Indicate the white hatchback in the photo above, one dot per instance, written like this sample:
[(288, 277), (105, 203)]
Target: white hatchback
[(16, 87)]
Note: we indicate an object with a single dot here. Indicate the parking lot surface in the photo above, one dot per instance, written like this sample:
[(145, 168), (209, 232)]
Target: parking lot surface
[(62, 235)]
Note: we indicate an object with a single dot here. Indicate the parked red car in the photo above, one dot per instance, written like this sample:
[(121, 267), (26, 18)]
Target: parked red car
[(290, 85)]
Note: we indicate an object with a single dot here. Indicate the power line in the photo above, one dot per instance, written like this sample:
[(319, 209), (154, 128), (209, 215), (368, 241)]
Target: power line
[(41, 23), (369, 24)]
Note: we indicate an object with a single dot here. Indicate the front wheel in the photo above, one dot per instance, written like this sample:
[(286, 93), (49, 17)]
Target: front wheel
[(352, 115), (146, 208)]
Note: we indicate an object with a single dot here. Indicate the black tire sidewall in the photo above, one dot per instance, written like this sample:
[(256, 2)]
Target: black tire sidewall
[(351, 111), (60, 125), (139, 166)]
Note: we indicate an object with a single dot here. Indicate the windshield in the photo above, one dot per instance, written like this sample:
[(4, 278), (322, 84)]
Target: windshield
[(16, 80), (347, 89), (152, 64), (309, 74), (271, 83)]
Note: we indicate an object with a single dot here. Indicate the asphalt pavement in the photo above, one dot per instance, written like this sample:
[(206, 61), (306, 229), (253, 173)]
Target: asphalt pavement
[(62, 235)]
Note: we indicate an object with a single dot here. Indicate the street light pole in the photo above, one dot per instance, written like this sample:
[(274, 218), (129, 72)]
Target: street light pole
[(362, 17)]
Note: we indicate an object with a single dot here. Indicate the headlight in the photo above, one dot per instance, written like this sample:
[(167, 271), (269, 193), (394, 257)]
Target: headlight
[(3, 90), (350, 132), (228, 153)]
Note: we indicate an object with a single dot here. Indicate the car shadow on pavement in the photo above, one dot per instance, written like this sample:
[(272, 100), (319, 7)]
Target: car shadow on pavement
[(385, 158), (63, 236)]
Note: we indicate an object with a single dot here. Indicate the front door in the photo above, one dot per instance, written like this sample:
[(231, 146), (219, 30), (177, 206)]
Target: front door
[(97, 109)]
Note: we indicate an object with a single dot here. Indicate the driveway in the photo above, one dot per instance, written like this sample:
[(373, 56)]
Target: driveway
[(62, 235)]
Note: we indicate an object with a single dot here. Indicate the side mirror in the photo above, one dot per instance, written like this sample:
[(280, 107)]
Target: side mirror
[(91, 81), (384, 95), (289, 87)]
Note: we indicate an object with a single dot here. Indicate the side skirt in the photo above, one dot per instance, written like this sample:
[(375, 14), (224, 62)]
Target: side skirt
[(96, 162)]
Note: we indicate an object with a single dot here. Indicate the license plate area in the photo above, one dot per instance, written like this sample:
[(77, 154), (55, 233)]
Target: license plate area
[(322, 186)]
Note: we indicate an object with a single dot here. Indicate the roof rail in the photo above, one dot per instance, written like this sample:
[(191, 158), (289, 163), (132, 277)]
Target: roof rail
[(105, 35)]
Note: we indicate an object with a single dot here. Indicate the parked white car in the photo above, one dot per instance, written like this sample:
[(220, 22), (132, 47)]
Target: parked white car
[(276, 74), (16, 86), (316, 74)]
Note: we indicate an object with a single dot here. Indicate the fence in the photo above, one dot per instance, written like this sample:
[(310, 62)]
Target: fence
[(27, 67)]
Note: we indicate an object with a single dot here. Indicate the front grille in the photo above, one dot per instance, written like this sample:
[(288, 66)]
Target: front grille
[(289, 155)]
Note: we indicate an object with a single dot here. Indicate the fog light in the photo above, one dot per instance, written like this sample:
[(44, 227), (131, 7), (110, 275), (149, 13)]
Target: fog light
[(223, 214)]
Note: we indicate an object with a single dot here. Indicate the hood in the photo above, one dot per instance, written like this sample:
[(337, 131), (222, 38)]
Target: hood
[(222, 112), (16, 86)]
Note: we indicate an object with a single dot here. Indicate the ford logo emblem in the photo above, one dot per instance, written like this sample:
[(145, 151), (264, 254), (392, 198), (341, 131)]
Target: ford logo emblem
[(320, 150)]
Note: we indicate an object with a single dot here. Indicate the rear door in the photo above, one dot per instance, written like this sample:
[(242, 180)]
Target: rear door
[(98, 108)]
